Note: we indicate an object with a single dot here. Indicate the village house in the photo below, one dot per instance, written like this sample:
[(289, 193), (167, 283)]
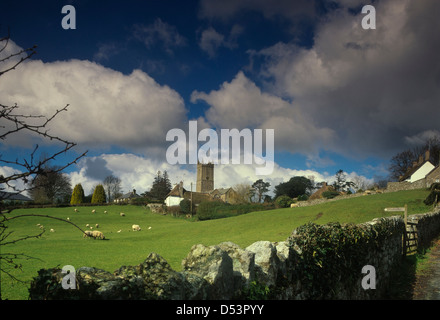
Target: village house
[(127, 197), (7, 197), (422, 174)]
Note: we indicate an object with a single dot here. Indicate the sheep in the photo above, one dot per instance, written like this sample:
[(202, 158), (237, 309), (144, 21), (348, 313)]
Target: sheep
[(149, 228), (41, 226), (96, 226), (87, 225), (93, 211), (122, 214), (52, 230), (136, 227), (105, 211), (68, 219), (87, 233), (91, 228), (98, 234), (76, 210), (119, 231)]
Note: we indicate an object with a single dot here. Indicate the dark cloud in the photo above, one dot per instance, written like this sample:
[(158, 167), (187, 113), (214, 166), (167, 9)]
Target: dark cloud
[(374, 88), (96, 168)]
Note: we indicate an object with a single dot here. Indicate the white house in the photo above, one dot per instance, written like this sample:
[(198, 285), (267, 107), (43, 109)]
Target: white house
[(175, 196), (419, 170)]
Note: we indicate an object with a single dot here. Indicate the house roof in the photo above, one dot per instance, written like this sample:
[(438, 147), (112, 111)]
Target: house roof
[(197, 197), (220, 191), (413, 170), (13, 196), (130, 195), (176, 191)]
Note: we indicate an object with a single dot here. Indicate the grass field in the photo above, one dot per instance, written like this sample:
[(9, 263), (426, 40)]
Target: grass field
[(170, 237)]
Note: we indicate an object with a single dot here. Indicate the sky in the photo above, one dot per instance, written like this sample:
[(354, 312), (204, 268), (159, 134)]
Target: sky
[(337, 96)]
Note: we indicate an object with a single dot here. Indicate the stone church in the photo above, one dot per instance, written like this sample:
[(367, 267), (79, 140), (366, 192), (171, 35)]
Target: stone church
[(204, 189)]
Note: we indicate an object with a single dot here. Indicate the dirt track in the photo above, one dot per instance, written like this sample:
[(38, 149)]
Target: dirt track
[(427, 285)]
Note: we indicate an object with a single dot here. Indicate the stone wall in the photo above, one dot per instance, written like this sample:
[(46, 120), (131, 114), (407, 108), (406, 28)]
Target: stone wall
[(273, 270), (405, 185), (428, 227)]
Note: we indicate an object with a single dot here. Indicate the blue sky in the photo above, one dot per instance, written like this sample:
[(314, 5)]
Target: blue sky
[(337, 96)]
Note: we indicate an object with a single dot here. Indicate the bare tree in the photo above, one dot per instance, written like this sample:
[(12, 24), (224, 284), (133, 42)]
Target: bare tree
[(112, 186), (243, 191), (13, 121)]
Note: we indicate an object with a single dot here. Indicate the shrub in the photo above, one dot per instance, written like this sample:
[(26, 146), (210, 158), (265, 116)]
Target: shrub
[(206, 209), (77, 195), (303, 197), (327, 251), (283, 201), (98, 195), (217, 209), (185, 206), (330, 194), (434, 196)]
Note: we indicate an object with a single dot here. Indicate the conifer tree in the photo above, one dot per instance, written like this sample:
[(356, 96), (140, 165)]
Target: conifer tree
[(77, 194), (99, 194)]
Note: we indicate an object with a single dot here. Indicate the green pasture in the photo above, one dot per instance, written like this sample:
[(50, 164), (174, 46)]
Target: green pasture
[(170, 237)]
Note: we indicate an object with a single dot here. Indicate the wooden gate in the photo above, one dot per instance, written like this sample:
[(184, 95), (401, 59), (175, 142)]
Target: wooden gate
[(409, 238)]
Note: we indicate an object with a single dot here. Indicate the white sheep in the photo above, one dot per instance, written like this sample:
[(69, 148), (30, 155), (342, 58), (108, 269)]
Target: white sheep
[(136, 227), (41, 226), (52, 230), (122, 214), (105, 211), (97, 226), (87, 225), (149, 228), (93, 211), (68, 219), (119, 231), (76, 210), (87, 233), (98, 234)]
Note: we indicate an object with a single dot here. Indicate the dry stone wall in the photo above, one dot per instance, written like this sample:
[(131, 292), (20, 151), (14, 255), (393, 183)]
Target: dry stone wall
[(296, 268)]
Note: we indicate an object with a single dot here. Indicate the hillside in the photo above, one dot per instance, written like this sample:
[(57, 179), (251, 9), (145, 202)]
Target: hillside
[(170, 237)]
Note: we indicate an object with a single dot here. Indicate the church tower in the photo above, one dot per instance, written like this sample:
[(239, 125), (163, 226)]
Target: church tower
[(205, 177)]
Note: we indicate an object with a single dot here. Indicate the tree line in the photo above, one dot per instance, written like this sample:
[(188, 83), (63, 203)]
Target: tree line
[(52, 186)]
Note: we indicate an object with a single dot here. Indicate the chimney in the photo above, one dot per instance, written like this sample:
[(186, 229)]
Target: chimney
[(181, 189), (420, 159), (427, 155)]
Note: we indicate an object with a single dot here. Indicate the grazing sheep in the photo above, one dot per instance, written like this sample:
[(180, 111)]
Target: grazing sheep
[(122, 214), (87, 233), (68, 219), (105, 211), (76, 210), (119, 231), (87, 225), (52, 230), (136, 227), (96, 226), (149, 228), (41, 226), (93, 211), (98, 234), (91, 228)]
